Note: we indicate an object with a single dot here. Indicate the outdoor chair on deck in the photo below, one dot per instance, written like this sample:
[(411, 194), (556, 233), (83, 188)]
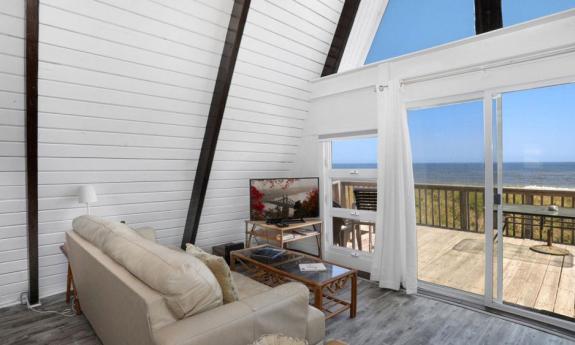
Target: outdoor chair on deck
[(365, 199)]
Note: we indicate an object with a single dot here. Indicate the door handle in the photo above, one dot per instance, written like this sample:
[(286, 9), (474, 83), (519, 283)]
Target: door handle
[(497, 199)]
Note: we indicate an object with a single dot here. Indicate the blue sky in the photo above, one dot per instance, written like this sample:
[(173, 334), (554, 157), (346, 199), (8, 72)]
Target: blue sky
[(539, 124), (355, 151), (447, 134)]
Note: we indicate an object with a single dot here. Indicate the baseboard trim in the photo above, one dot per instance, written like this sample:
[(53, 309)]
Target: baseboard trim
[(43, 294)]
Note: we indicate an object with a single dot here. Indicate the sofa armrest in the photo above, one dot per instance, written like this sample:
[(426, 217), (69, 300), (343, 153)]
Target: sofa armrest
[(282, 309)]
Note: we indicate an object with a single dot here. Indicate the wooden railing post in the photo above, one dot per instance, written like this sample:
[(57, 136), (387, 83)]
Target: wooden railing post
[(464, 209), (528, 228)]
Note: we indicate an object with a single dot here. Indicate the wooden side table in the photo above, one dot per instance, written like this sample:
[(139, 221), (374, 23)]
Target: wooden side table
[(70, 288), (279, 236)]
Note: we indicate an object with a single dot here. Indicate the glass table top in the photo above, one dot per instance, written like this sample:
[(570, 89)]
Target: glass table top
[(289, 262)]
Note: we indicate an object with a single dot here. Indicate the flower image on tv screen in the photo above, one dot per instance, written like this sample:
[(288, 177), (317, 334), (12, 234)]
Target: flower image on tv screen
[(284, 198)]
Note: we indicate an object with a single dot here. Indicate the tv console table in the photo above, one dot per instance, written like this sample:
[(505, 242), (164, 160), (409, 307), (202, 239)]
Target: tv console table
[(281, 236)]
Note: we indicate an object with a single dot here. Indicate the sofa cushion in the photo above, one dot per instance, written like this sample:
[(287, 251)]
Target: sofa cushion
[(188, 286), (95, 230), (220, 269)]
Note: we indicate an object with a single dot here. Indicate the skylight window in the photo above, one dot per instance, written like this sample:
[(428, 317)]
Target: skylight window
[(408, 26), (411, 25)]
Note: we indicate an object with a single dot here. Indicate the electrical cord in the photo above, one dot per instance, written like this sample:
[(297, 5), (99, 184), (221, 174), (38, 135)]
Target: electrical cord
[(68, 312)]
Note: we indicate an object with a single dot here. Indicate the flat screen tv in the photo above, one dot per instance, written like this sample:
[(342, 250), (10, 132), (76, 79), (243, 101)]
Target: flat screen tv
[(278, 199)]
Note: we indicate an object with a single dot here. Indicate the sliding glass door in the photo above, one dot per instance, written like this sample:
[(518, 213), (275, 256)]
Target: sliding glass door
[(495, 200), (448, 166), (534, 203)]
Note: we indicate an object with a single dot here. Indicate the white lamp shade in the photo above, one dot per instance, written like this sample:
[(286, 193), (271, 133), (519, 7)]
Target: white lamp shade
[(87, 195)]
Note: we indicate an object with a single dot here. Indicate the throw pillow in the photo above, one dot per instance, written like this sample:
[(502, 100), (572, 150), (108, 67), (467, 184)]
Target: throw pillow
[(220, 269)]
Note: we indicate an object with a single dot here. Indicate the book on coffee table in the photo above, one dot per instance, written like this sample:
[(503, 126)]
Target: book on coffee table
[(313, 267)]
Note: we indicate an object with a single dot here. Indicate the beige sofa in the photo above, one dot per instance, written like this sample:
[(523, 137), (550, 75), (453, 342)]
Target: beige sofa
[(124, 310)]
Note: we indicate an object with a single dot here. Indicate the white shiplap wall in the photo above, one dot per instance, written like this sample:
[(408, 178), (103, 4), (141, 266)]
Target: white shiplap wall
[(285, 45), (13, 250), (124, 91)]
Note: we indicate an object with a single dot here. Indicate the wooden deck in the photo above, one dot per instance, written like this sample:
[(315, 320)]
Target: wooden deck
[(456, 259)]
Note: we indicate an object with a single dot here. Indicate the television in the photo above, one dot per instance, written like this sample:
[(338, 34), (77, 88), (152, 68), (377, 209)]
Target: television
[(284, 199)]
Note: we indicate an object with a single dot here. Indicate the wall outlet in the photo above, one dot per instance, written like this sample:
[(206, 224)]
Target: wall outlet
[(24, 300)]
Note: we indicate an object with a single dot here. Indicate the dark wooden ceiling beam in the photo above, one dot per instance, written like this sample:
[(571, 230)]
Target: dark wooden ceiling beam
[(215, 117), (32, 24), (340, 37), (488, 16)]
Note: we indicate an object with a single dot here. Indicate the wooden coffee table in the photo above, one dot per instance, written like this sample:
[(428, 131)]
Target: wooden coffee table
[(325, 285)]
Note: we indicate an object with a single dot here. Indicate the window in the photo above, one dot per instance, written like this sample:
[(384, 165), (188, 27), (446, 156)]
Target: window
[(354, 153), (411, 25), (353, 203), (518, 11)]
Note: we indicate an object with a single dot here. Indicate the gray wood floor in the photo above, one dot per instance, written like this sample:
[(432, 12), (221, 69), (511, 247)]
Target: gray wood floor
[(384, 318), (20, 326)]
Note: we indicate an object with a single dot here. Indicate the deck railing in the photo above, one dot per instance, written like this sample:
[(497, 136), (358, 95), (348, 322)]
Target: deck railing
[(462, 208)]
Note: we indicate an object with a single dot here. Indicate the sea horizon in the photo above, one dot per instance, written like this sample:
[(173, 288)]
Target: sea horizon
[(535, 175)]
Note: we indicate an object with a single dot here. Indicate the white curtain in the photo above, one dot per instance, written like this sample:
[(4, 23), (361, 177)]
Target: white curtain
[(395, 258)]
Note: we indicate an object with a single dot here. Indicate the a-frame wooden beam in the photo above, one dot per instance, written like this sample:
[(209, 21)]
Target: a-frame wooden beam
[(488, 16), (339, 41), (32, 27), (215, 117)]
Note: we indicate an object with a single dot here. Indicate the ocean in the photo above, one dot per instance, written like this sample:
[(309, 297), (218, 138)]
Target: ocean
[(532, 175)]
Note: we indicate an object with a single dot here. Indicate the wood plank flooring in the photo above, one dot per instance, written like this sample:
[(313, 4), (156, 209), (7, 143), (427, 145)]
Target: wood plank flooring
[(456, 259), (18, 326), (392, 318), (384, 318)]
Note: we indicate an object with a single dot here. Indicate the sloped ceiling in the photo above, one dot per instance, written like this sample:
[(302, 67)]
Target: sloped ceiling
[(284, 46)]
